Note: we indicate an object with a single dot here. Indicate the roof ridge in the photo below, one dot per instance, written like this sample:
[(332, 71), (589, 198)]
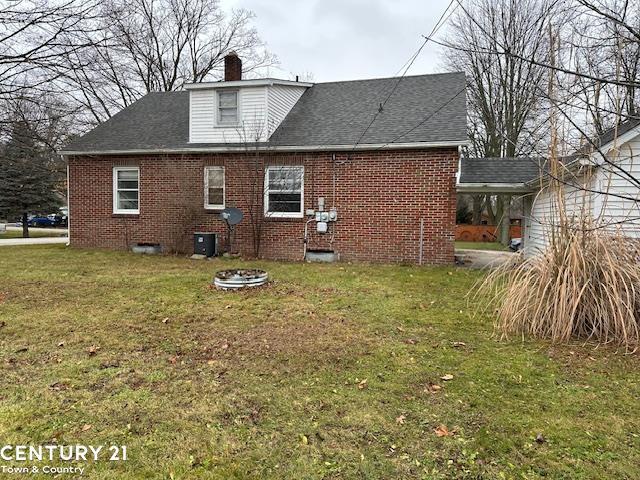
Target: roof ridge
[(390, 78)]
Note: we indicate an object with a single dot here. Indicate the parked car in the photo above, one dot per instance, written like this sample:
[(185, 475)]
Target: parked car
[(515, 244), (41, 221)]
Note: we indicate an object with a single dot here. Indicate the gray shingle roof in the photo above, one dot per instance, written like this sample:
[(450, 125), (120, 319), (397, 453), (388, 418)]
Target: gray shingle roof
[(156, 121), (618, 131), (494, 170), (423, 108), (337, 113)]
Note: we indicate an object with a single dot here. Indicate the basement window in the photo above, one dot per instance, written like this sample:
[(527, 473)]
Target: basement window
[(126, 190), (214, 188), (284, 191), (228, 108)]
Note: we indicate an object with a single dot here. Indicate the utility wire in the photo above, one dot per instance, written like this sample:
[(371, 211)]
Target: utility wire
[(408, 64)]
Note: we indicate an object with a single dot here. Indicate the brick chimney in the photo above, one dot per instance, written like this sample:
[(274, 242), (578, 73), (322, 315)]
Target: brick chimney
[(232, 67)]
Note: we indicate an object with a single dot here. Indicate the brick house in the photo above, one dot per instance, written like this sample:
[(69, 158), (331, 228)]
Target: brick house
[(304, 163)]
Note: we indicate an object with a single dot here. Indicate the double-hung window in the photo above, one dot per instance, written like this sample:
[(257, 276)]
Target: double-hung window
[(228, 108), (284, 191), (214, 188), (126, 190)]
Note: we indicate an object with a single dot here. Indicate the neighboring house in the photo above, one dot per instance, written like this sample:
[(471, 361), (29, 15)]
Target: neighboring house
[(591, 187), (165, 167)]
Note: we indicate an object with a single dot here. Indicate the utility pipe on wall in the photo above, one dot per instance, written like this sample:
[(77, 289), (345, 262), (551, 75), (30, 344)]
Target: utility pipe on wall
[(421, 241)]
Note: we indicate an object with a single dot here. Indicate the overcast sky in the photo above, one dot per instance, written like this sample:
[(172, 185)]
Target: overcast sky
[(346, 39)]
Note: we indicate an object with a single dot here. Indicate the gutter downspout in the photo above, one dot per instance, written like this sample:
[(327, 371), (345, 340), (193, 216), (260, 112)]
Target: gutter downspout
[(68, 205)]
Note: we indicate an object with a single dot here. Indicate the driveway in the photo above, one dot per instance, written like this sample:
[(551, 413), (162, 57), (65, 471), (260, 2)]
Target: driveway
[(483, 258)]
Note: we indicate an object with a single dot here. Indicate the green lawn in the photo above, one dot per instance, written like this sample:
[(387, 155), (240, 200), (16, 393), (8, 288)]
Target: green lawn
[(329, 372), (33, 233), (481, 246)]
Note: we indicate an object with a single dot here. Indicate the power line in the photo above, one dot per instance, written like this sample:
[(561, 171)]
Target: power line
[(408, 64)]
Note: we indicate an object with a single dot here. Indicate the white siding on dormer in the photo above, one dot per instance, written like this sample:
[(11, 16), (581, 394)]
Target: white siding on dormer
[(281, 99), (262, 109), (253, 117)]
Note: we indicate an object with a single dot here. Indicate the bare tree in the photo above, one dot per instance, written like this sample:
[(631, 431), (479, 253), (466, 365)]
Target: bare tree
[(605, 48), (158, 45), (35, 35), (502, 90)]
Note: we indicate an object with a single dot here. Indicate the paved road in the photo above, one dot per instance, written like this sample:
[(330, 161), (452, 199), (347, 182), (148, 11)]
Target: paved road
[(8, 242), (484, 258)]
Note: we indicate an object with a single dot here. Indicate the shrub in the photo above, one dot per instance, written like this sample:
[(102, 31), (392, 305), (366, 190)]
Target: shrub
[(585, 285)]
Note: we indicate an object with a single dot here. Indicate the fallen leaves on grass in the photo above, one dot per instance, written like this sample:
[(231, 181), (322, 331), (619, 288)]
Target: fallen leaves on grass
[(459, 344), (400, 420), (362, 385), (87, 427), (446, 377), (92, 350), (443, 431), (432, 388), (411, 341)]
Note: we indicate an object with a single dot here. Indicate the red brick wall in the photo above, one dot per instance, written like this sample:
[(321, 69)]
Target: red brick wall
[(380, 197)]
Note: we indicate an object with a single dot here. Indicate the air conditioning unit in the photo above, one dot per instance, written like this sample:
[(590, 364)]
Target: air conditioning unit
[(205, 243)]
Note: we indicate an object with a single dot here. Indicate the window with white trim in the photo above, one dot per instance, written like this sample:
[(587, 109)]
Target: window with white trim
[(214, 187), (284, 191), (126, 190), (228, 108)]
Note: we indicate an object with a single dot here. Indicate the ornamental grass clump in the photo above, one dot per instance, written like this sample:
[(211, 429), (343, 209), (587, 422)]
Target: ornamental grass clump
[(586, 285)]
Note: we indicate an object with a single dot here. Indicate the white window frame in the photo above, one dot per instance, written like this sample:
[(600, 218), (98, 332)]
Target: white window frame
[(219, 123), (213, 206), (267, 213), (116, 190)]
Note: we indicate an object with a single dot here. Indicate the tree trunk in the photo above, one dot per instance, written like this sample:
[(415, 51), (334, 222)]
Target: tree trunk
[(476, 217), (505, 219), (25, 225), (490, 213)]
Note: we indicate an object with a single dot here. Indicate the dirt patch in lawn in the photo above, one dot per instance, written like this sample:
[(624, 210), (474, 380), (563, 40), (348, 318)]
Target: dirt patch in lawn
[(299, 343)]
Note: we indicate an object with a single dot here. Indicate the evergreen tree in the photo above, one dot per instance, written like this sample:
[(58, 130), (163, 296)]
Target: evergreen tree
[(29, 176)]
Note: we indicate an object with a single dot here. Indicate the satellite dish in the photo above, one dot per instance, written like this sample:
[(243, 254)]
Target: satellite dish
[(232, 216)]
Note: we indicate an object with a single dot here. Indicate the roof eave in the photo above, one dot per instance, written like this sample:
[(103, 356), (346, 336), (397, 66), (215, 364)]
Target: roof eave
[(274, 148), (246, 83), (620, 140), (462, 187)]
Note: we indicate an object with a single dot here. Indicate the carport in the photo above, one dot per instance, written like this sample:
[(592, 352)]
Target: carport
[(494, 176)]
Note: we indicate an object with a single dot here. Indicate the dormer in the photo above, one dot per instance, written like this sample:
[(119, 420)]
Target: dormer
[(239, 111)]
